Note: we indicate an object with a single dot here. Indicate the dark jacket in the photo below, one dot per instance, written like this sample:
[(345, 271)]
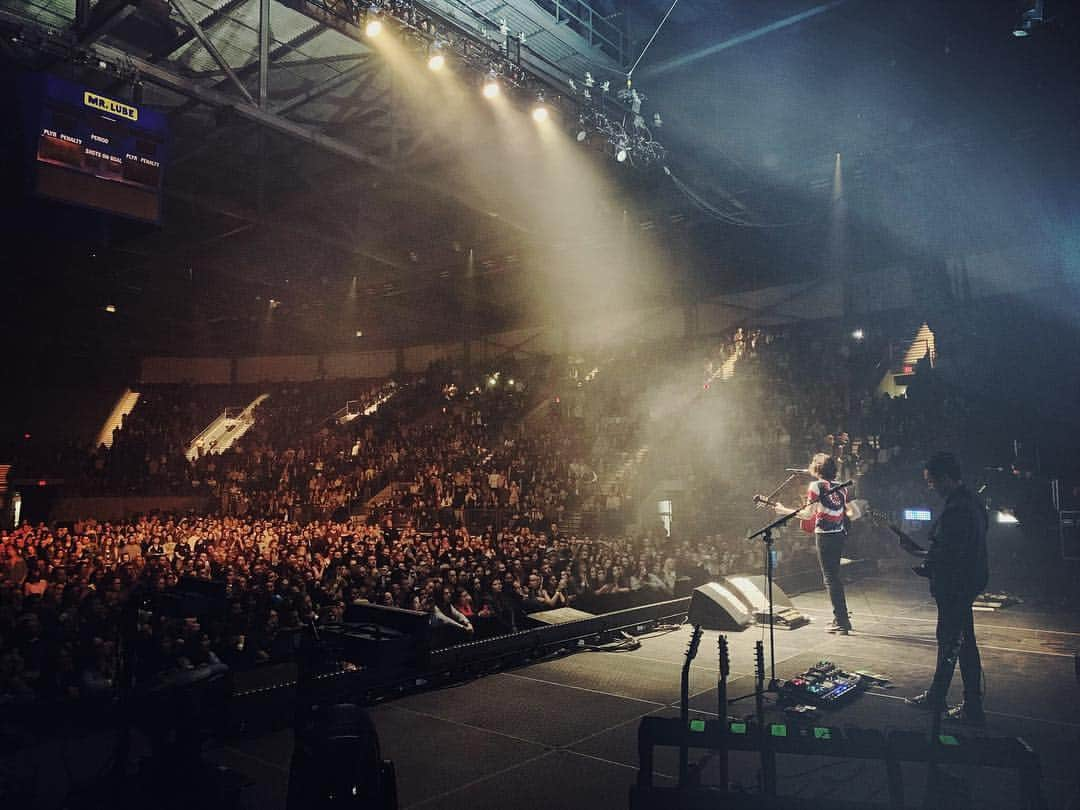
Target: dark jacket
[(957, 558)]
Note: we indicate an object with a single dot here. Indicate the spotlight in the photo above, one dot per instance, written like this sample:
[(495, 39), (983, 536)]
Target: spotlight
[(436, 60), (491, 86), (1006, 516), (540, 113), (374, 24), (582, 135), (858, 334), (620, 155), (110, 308)]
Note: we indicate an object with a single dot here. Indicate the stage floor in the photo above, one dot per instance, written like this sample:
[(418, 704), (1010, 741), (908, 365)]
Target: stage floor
[(562, 733)]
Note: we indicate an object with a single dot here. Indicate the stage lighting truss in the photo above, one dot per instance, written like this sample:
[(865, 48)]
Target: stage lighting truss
[(612, 112), (632, 144)]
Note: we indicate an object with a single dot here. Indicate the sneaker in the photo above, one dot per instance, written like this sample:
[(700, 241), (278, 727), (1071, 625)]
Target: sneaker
[(838, 629), (924, 701), (968, 713)]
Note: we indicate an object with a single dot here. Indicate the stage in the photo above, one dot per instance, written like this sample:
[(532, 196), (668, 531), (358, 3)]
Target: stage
[(562, 733)]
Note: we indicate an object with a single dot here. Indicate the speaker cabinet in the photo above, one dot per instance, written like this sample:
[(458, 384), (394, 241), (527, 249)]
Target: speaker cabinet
[(713, 606)]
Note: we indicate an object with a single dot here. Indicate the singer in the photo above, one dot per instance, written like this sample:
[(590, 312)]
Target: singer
[(826, 517), (830, 531)]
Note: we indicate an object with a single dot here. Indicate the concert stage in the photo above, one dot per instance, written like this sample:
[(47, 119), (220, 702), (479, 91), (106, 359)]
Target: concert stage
[(562, 733)]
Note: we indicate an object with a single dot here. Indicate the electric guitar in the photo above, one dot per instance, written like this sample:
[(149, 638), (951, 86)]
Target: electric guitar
[(857, 510), (906, 543), (854, 510), (807, 524)]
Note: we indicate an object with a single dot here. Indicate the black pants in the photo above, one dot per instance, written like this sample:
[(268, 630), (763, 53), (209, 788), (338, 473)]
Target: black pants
[(829, 547), (956, 641)]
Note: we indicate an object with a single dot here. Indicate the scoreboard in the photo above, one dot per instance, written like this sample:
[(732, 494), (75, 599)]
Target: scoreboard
[(95, 151)]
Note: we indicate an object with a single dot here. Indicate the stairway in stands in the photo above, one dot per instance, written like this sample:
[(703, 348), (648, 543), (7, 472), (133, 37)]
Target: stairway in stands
[(222, 433), (903, 360), (124, 405)]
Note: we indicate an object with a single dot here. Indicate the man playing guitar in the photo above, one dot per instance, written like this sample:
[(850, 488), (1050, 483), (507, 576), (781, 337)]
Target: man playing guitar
[(956, 564), (825, 517)]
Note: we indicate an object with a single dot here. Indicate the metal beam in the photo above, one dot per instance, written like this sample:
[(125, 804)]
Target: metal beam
[(264, 53), (246, 70), (208, 21), (102, 19), (207, 43), (178, 84), (322, 89)]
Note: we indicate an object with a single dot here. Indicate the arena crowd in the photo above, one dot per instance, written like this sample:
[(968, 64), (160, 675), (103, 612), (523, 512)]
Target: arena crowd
[(448, 499)]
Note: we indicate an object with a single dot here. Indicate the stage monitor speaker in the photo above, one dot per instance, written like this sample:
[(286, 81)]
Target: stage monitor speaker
[(753, 592), (713, 606)]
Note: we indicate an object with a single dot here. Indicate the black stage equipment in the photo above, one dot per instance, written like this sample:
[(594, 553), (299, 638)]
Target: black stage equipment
[(714, 607)]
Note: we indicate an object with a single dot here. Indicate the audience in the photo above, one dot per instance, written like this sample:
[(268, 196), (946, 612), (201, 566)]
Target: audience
[(446, 499)]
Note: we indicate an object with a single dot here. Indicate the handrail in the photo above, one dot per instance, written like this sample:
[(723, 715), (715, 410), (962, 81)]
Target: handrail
[(560, 10)]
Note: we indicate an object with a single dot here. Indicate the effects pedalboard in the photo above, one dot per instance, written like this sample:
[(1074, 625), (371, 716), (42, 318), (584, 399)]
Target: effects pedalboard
[(823, 684)]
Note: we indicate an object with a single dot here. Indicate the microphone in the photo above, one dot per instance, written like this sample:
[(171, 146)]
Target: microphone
[(838, 487)]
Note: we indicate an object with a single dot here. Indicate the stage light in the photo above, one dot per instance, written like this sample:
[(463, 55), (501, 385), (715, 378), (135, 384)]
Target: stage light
[(110, 308), (540, 113), (1006, 516), (373, 27), (582, 135), (436, 60), (491, 86), (620, 155), (359, 332), (858, 334)]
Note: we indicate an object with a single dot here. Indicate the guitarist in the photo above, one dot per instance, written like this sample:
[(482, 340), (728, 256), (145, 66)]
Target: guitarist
[(825, 518), (956, 564)]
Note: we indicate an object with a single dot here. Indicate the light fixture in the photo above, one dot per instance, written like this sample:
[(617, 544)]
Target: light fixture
[(1006, 516), (374, 23), (1030, 19), (620, 154), (436, 60), (491, 85), (858, 334), (110, 308), (540, 111), (359, 332)]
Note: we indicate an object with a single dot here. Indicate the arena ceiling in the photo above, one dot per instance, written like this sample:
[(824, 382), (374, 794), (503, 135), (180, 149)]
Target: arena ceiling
[(289, 183)]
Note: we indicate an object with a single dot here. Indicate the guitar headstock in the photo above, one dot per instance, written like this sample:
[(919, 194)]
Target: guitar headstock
[(695, 642)]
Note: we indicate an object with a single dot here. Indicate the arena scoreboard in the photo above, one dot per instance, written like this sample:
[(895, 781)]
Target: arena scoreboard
[(97, 151)]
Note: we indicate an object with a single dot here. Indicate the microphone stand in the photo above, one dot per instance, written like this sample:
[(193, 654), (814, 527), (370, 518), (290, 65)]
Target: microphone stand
[(766, 535), (786, 481)]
